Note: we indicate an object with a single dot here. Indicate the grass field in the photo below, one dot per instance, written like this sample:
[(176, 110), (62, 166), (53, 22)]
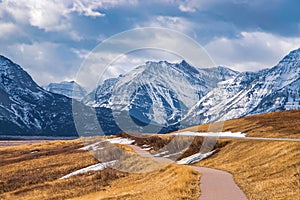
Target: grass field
[(33, 172), (263, 169)]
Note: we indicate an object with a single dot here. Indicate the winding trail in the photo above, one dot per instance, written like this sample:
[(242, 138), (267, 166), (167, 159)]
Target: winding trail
[(214, 184), (217, 184)]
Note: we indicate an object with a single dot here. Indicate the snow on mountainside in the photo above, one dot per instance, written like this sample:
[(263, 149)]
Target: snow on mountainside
[(100, 95), (27, 109), (252, 93), (157, 92), (70, 89)]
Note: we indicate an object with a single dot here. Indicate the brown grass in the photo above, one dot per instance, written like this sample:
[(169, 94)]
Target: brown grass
[(173, 182), (157, 142), (33, 172), (276, 124), (172, 144), (263, 169)]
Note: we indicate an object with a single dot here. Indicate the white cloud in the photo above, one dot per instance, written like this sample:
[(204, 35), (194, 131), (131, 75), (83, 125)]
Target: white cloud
[(175, 23), (55, 15), (251, 51), (46, 14), (87, 9), (193, 5), (132, 48), (91, 7), (46, 62)]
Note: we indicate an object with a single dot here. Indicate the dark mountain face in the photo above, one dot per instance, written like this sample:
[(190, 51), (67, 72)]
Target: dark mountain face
[(27, 109)]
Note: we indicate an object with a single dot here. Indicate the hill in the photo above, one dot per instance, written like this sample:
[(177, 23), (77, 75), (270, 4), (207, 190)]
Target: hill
[(263, 169)]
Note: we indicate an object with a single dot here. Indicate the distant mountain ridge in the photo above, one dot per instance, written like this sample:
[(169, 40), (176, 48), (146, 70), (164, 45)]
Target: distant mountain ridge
[(156, 96), (67, 88)]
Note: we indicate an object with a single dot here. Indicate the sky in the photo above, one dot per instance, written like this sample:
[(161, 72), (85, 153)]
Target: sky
[(51, 39)]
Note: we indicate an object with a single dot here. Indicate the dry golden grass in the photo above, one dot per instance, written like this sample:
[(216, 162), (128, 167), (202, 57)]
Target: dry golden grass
[(28, 175), (263, 169), (170, 183), (276, 124), (32, 172)]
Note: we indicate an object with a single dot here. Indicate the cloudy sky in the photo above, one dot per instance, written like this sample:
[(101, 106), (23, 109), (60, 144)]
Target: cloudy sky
[(51, 38)]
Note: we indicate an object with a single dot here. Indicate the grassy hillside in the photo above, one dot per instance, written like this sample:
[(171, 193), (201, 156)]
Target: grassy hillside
[(275, 124), (263, 169)]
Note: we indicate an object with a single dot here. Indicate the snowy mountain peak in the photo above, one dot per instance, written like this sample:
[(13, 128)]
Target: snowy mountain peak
[(67, 88), (292, 57), (252, 93), (159, 92)]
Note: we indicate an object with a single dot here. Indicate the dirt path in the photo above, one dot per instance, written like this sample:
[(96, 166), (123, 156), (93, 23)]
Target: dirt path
[(214, 184), (217, 184)]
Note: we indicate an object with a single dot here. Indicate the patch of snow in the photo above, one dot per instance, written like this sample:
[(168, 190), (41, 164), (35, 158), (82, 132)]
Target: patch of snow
[(120, 140), (174, 154), (92, 147), (212, 134), (194, 158), (147, 149), (96, 167), (161, 153)]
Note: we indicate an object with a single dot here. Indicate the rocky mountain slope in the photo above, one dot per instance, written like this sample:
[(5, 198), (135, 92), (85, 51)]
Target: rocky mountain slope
[(250, 93), (156, 95), (27, 109)]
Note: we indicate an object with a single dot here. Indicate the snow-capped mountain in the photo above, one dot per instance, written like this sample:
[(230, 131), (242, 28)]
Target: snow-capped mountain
[(158, 93), (67, 88), (250, 93), (27, 109), (154, 97)]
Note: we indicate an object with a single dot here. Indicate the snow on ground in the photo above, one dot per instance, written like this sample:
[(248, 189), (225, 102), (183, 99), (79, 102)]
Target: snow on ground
[(194, 158), (120, 140), (212, 134), (147, 149), (174, 154), (92, 147), (96, 167), (161, 153)]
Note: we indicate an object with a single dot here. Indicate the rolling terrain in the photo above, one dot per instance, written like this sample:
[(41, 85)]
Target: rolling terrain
[(262, 169)]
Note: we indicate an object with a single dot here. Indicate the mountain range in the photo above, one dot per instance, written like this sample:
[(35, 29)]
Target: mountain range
[(154, 97)]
